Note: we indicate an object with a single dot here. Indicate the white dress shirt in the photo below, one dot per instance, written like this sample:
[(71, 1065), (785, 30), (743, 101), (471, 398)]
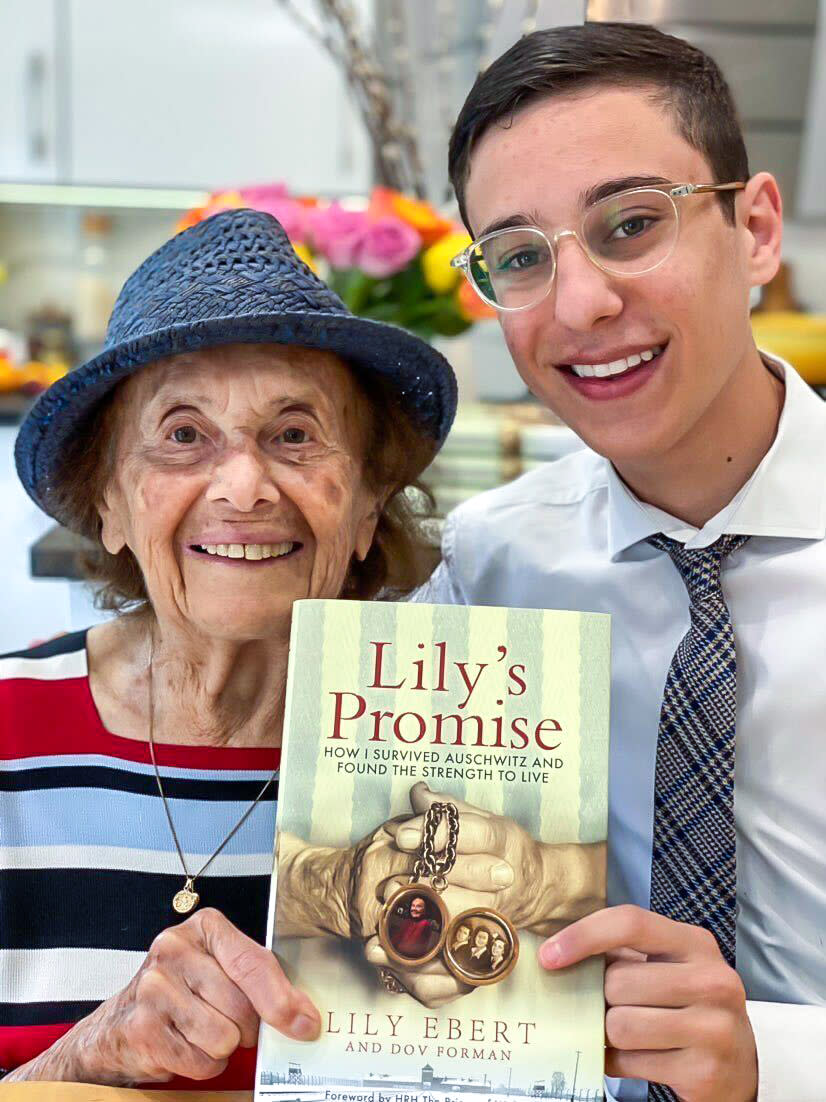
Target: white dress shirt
[(571, 535)]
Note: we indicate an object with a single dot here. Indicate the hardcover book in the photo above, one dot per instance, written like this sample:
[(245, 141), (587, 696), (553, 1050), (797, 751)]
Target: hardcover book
[(442, 810)]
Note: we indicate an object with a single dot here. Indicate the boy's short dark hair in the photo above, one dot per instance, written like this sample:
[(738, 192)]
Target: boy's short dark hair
[(681, 78)]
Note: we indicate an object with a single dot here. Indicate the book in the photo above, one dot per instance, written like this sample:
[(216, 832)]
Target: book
[(442, 810)]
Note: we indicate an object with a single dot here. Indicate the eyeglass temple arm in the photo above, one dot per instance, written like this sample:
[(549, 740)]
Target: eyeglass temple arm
[(693, 189)]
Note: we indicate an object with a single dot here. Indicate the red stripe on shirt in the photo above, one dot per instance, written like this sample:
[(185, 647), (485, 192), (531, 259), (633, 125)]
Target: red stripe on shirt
[(59, 717), (19, 1044)]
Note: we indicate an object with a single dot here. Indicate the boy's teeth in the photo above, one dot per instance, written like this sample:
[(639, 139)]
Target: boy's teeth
[(615, 367), (253, 551)]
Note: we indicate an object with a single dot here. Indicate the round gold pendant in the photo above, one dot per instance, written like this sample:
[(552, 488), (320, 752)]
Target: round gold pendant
[(186, 900), (481, 947), (413, 925)]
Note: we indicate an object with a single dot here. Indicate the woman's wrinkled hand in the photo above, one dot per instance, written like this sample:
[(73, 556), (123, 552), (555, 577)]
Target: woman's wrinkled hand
[(513, 867), (198, 995), (430, 984)]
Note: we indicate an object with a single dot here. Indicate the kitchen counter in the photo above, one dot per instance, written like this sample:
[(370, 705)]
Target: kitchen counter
[(57, 553), (13, 407), (39, 593)]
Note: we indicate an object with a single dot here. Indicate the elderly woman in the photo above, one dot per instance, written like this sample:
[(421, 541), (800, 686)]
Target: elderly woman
[(242, 442)]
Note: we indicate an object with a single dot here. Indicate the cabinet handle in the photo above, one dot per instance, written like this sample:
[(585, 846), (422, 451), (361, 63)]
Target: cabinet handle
[(35, 106)]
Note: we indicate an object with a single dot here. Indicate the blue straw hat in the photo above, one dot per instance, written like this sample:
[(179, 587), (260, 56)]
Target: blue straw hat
[(232, 278)]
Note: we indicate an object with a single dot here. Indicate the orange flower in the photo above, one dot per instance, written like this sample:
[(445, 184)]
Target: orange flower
[(471, 307), (381, 202), (217, 201), (424, 218), (191, 218)]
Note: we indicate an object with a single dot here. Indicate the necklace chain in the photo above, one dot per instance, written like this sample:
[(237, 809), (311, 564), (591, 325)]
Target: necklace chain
[(189, 879), (429, 864)]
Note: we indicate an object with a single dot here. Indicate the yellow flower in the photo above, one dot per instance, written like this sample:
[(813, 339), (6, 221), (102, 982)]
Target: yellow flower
[(303, 253), (224, 200), (438, 274)]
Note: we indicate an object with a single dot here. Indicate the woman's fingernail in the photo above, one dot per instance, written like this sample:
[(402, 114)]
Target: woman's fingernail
[(408, 837), (502, 875), (304, 1027), (550, 954)]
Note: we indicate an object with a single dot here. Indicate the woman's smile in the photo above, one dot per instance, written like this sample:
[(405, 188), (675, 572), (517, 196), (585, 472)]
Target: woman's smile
[(235, 554)]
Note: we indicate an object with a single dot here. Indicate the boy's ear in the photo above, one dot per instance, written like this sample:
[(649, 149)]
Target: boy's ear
[(762, 216)]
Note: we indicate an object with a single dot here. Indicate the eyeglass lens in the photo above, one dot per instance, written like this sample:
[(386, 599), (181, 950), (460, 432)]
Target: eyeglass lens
[(626, 234)]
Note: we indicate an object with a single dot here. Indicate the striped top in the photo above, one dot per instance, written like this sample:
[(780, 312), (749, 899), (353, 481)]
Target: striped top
[(88, 866)]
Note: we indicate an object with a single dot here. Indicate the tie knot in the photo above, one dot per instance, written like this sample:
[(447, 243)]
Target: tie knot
[(699, 567)]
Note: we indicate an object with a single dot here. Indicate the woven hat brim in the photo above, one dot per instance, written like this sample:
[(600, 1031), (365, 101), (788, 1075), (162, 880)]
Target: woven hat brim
[(421, 376)]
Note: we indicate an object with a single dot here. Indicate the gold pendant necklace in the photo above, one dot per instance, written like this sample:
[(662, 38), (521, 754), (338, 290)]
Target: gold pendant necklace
[(187, 899)]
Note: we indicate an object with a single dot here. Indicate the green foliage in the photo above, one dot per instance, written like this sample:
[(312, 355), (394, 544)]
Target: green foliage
[(403, 299)]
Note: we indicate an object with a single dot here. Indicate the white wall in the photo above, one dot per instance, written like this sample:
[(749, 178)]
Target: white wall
[(804, 247)]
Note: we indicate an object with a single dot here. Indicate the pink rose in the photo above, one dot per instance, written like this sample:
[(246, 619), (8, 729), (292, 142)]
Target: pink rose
[(337, 233), (262, 193), (387, 246), (274, 199), (291, 215)]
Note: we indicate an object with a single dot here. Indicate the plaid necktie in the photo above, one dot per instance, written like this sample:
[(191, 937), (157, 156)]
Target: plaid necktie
[(693, 867)]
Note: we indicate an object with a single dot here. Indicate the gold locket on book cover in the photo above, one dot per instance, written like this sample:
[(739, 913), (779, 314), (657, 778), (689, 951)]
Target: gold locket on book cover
[(479, 946)]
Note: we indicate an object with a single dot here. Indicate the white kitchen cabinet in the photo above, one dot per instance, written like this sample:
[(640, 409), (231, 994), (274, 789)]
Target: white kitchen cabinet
[(207, 93), (28, 91), (812, 193)]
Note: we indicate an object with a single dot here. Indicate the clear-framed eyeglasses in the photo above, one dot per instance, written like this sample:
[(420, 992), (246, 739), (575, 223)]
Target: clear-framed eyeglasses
[(627, 234)]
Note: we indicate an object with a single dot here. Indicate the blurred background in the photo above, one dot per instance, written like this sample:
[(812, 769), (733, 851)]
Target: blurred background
[(121, 123)]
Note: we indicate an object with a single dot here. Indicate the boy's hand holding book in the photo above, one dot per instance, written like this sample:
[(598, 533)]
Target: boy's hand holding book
[(676, 1010)]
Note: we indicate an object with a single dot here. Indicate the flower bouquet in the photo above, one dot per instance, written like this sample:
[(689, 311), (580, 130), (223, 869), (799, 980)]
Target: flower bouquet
[(389, 261)]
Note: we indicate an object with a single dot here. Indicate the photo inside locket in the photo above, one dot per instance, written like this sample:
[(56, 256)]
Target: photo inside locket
[(414, 926), (479, 946)]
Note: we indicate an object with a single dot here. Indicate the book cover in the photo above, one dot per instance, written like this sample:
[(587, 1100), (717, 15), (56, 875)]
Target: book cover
[(442, 809)]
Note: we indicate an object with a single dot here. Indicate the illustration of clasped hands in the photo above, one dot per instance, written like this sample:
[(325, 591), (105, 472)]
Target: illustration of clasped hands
[(437, 898)]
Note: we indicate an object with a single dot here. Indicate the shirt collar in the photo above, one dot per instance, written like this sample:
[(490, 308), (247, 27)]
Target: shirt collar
[(786, 495)]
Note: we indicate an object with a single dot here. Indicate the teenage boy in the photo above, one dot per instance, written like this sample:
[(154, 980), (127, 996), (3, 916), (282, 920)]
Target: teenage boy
[(697, 519)]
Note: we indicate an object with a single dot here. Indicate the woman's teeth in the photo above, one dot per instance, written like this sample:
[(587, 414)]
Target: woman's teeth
[(615, 367), (247, 550)]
